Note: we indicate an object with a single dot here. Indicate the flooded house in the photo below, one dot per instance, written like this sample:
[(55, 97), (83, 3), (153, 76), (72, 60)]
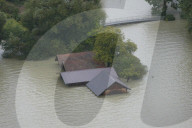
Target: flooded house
[(82, 69)]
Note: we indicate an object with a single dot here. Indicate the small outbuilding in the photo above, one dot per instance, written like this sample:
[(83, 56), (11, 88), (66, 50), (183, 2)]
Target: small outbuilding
[(106, 83)]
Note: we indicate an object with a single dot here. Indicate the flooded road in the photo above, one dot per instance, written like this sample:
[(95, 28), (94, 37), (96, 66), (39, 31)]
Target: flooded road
[(33, 95)]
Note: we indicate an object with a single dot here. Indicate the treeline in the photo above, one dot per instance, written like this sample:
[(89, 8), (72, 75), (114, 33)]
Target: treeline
[(160, 7), (24, 23)]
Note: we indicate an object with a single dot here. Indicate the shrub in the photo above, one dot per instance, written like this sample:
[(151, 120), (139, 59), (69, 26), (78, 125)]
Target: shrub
[(169, 17)]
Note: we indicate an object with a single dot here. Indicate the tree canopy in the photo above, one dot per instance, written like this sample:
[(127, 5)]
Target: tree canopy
[(14, 35), (160, 6), (41, 17), (129, 66), (186, 6), (110, 42), (11, 10), (105, 46), (111, 49)]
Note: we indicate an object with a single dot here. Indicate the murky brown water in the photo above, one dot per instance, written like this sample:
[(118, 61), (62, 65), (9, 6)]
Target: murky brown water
[(33, 96), (9, 73), (168, 98)]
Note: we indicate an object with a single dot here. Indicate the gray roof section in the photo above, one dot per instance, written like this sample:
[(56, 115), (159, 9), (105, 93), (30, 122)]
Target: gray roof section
[(81, 76), (103, 81)]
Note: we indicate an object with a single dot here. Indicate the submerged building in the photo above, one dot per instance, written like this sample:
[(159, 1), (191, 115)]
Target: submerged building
[(78, 61), (82, 69)]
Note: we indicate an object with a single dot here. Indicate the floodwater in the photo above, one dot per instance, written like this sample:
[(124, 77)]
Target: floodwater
[(32, 94)]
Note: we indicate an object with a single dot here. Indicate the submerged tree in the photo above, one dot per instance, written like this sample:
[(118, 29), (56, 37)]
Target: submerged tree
[(129, 66), (110, 48), (16, 39), (160, 6)]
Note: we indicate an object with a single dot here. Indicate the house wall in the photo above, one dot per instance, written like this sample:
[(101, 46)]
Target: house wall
[(78, 84), (115, 89)]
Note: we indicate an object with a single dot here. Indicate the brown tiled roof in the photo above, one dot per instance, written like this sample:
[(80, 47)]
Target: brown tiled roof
[(78, 61)]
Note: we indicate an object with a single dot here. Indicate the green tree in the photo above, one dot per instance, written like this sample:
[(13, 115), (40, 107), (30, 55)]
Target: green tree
[(105, 45), (41, 16), (14, 27), (110, 48), (160, 6), (186, 7), (109, 42), (129, 67), (14, 35)]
